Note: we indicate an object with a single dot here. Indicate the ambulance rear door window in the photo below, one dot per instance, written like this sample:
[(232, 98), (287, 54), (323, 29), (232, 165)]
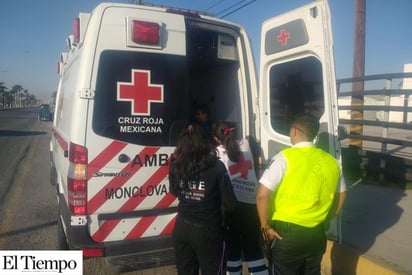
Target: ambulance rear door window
[(295, 87), (139, 96)]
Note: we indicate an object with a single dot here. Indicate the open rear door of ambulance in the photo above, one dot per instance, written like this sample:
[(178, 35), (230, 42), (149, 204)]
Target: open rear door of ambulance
[(297, 75)]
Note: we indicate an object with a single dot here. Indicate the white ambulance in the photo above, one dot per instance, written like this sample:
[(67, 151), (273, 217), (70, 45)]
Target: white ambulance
[(130, 81)]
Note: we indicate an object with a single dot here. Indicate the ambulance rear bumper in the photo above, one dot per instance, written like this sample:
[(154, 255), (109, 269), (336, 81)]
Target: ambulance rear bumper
[(124, 255), (127, 255)]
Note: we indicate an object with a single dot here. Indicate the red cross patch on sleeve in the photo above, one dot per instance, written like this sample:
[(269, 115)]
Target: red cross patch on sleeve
[(242, 167)]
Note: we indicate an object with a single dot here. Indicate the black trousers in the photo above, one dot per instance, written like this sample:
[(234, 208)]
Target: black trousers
[(198, 246), (300, 251), (242, 238)]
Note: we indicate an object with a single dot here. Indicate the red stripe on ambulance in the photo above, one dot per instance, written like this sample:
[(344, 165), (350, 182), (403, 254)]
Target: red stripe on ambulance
[(145, 222), (63, 143), (154, 180), (169, 227), (107, 226), (99, 198), (104, 157), (104, 230)]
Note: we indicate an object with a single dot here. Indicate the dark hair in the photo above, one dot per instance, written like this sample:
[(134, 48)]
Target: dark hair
[(307, 124), (202, 108), (225, 132), (194, 151)]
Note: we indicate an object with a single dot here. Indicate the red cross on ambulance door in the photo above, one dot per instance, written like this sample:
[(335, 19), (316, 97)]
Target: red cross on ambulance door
[(140, 92)]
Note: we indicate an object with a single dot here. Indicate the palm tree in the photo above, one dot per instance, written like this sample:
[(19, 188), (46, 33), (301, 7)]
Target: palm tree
[(15, 91), (26, 97), (16, 97), (3, 90), (32, 100)]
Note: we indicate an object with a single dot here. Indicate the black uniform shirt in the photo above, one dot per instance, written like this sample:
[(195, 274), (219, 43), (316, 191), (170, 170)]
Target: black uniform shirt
[(206, 196)]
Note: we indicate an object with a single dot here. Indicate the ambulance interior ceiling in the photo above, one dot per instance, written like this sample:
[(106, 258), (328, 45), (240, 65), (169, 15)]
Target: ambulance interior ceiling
[(295, 87), (213, 73)]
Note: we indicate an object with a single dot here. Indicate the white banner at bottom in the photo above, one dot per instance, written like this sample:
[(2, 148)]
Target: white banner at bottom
[(41, 262)]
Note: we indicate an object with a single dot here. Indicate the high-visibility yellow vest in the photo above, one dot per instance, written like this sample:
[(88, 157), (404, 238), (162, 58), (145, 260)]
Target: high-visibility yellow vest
[(306, 193)]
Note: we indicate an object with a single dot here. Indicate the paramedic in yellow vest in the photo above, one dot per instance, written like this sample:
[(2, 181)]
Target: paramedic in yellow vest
[(299, 192)]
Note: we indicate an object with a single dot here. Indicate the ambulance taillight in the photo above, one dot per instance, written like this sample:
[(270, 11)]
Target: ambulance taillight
[(147, 33), (79, 29), (77, 179), (76, 31)]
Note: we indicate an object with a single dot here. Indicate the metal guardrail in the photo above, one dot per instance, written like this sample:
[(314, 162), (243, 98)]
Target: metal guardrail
[(386, 125)]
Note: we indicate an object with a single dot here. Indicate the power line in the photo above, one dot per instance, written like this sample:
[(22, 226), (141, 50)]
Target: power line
[(230, 7), (235, 10), (214, 4)]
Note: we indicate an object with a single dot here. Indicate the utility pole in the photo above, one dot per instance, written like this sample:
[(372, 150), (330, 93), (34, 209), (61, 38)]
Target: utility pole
[(358, 70)]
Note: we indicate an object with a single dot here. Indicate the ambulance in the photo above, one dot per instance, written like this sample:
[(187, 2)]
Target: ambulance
[(129, 82)]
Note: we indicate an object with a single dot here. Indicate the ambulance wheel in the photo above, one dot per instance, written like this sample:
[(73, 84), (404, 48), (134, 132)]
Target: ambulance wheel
[(61, 237)]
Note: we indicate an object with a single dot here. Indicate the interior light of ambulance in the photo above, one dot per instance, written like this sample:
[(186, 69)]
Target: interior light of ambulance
[(76, 31), (146, 33)]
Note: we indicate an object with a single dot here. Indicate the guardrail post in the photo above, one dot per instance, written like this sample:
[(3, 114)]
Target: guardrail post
[(384, 145), (405, 108)]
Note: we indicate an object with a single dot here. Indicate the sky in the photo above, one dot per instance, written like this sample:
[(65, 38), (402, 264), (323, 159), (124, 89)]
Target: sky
[(33, 34)]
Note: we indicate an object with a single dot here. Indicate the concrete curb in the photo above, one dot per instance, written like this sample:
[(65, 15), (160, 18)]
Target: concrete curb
[(341, 260)]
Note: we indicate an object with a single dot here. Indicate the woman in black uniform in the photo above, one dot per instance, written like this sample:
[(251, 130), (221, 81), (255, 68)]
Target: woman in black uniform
[(203, 187)]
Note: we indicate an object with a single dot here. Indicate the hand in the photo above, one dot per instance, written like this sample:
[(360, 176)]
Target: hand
[(270, 233)]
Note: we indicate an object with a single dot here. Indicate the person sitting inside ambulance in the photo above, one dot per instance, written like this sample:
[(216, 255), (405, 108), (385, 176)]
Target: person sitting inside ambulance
[(202, 117)]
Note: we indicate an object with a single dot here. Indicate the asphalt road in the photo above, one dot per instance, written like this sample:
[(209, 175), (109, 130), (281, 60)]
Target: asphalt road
[(28, 212)]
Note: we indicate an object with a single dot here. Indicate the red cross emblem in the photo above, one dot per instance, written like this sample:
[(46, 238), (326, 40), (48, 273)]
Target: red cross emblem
[(242, 167), (140, 92), (283, 37)]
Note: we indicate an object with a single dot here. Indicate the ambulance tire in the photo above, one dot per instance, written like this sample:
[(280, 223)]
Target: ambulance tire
[(61, 237)]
